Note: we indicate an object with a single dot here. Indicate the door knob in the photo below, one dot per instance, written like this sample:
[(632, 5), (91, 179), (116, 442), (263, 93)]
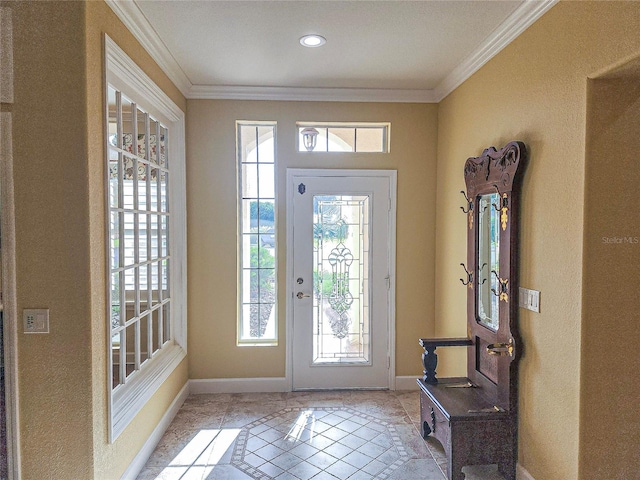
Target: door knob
[(302, 295)]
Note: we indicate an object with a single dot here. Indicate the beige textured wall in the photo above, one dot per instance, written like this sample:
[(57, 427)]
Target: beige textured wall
[(211, 206), (58, 179), (535, 91), (52, 241), (610, 331)]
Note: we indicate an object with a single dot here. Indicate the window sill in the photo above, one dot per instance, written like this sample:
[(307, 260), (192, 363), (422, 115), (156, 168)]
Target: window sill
[(130, 398)]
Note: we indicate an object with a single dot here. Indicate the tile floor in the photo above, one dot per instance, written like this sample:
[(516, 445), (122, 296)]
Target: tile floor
[(355, 435)]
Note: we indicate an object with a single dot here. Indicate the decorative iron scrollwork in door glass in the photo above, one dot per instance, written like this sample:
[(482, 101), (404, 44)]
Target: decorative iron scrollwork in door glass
[(341, 320)]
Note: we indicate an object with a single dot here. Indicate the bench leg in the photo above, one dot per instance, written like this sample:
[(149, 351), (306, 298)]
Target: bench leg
[(454, 466), (454, 472)]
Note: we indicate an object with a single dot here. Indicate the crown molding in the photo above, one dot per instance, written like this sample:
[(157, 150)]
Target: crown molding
[(312, 94), (119, 64), (516, 23), (135, 21)]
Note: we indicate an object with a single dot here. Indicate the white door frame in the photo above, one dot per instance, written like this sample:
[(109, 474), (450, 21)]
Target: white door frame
[(9, 300), (392, 175)]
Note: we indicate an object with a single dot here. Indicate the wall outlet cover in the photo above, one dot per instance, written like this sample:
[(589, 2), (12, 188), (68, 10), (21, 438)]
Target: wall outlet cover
[(529, 299)]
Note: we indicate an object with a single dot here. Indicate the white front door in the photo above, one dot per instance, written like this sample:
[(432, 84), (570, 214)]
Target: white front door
[(341, 225)]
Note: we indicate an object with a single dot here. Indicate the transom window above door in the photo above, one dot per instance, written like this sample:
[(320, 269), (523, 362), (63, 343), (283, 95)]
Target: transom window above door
[(343, 137)]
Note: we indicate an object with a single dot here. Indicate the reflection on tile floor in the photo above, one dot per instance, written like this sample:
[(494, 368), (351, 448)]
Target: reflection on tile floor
[(355, 435)]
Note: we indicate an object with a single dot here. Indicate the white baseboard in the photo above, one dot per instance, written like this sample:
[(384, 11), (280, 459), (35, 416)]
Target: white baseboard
[(239, 385), (407, 383), (522, 474), (267, 384), (140, 460)]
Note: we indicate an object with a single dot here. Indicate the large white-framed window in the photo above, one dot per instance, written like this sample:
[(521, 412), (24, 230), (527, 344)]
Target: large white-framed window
[(257, 306), (146, 236)]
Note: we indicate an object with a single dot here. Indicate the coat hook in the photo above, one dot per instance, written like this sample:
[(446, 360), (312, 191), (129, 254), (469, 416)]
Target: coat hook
[(496, 206), (469, 210), (469, 203), (504, 207), (502, 290), (469, 281)]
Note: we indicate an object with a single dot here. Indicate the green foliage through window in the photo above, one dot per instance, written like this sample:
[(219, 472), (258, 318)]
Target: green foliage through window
[(266, 211)]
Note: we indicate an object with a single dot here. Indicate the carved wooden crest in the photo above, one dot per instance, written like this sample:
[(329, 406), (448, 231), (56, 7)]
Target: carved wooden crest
[(494, 167)]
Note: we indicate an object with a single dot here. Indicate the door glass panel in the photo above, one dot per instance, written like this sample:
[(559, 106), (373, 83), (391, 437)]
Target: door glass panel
[(341, 259), (488, 260)]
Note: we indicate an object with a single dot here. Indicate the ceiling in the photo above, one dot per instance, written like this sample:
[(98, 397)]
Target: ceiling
[(398, 50)]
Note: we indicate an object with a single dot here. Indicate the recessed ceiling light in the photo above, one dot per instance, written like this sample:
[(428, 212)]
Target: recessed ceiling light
[(312, 41)]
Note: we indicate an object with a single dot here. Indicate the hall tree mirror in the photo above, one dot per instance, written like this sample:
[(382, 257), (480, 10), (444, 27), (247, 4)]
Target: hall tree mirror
[(475, 417), (488, 260)]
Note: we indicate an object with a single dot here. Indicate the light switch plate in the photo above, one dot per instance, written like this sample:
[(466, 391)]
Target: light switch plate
[(36, 320), (529, 299)]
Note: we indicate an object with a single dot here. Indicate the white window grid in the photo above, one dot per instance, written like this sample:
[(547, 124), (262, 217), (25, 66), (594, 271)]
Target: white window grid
[(139, 237), (257, 154)]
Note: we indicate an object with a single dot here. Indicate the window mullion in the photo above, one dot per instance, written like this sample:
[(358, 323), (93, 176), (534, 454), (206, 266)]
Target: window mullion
[(257, 200), (122, 366), (136, 239), (149, 265), (159, 218), (161, 268)]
